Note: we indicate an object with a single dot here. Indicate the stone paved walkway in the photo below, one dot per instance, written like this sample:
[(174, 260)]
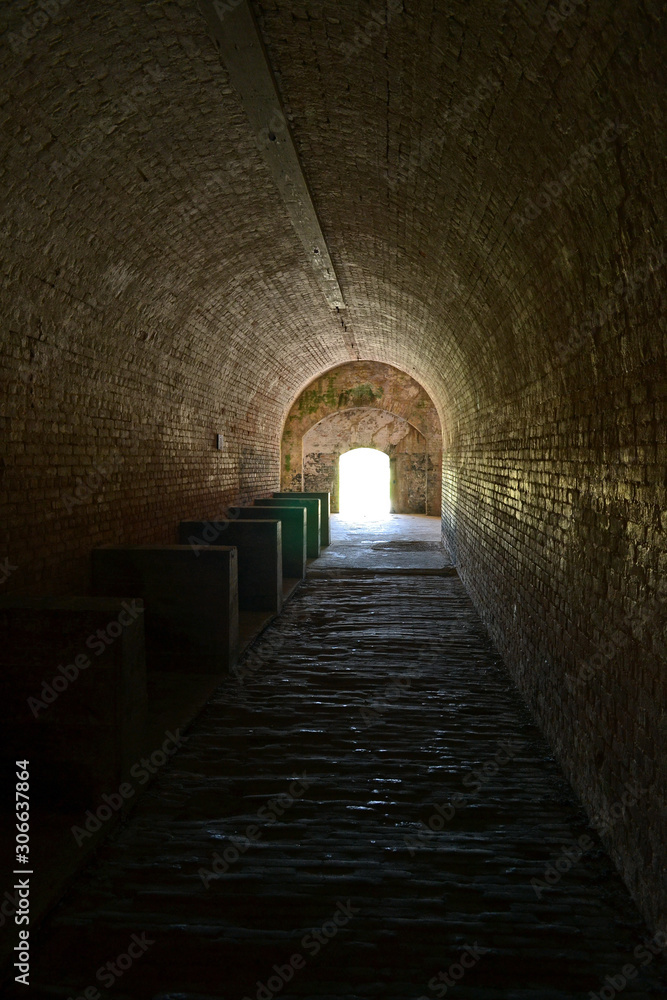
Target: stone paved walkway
[(394, 543), (325, 780)]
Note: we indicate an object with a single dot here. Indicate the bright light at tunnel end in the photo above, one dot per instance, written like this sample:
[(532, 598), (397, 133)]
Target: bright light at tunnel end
[(364, 484)]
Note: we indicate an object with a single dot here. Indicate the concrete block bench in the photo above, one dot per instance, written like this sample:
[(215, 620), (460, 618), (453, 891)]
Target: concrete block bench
[(73, 690), (312, 508), (325, 512), (191, 599), (260, 557), (293, 522)]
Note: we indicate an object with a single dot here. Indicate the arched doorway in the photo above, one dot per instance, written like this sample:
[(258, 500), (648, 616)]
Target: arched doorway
[(364, 483), (374, 429), (364, 404)]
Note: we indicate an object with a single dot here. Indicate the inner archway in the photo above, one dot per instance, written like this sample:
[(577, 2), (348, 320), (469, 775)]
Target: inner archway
[(365, 404), (364, 483)]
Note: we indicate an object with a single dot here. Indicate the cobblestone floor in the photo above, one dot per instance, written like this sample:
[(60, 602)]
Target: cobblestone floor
[(325, 778)]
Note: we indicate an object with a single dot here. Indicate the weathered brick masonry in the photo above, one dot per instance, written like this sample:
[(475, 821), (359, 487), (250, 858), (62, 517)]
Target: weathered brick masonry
[(486, 177), (554, 506)]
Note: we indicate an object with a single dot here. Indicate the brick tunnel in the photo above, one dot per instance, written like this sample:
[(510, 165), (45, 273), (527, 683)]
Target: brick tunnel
[(415, 757)]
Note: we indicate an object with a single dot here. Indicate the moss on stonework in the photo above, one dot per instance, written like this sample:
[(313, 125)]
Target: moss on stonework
[(360, 395), (311, 400), (288, 463), (330, 394)]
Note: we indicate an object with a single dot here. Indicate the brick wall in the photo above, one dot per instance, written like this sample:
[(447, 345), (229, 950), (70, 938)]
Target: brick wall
[(98, 452), (555, 510)]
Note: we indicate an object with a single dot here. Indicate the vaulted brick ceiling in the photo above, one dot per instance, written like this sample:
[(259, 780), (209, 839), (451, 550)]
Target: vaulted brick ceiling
[(421, 145)]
